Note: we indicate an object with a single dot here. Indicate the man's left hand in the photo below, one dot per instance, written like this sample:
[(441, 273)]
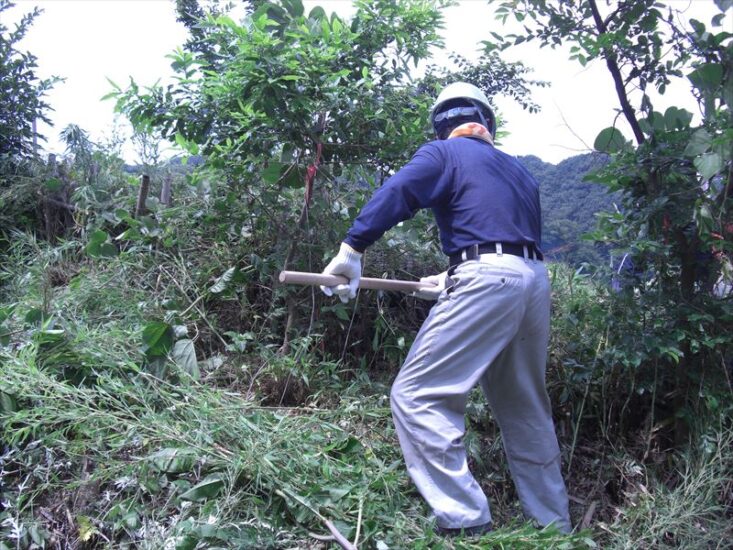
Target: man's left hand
[(348, 264)]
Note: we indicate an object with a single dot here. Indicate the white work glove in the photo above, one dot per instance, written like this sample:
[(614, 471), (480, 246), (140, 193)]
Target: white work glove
[(348, 264), (439, 282)]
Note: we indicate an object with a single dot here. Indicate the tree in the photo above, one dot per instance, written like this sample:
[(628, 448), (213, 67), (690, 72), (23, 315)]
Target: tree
[(675, 180), (300, 114), (21, 91)]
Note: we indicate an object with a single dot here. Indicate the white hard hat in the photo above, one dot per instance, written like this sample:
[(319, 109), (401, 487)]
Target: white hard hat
[(464, 90)]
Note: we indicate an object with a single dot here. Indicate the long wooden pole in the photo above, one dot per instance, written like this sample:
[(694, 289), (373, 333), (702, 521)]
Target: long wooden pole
[(305, 278)]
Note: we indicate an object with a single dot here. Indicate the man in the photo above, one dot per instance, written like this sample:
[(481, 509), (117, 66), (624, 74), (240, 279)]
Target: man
[(490, 325)]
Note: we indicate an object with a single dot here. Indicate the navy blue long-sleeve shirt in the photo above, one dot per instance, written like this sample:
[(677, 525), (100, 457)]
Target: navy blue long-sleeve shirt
[(477, 193)]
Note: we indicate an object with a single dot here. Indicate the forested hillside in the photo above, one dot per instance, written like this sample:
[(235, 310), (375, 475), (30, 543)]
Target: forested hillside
[(159, 386), (570, 205)]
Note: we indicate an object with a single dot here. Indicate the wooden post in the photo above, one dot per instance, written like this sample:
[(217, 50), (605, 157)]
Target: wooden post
[(142, 195), (166, 196)]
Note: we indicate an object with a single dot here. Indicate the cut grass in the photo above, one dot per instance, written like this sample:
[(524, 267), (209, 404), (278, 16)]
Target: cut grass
[(154, 465)]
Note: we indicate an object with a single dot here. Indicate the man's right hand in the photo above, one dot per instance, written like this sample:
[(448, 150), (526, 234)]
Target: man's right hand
[(346, 263), (434, 286)]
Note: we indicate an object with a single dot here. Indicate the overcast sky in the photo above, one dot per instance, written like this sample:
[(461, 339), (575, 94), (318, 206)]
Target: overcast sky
[(88, 41)]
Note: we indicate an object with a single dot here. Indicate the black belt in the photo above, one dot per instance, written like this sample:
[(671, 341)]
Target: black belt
[(474, 251)]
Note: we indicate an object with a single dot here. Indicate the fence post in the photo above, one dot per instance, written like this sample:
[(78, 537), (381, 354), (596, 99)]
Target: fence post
[(142, 195), (166, 196)]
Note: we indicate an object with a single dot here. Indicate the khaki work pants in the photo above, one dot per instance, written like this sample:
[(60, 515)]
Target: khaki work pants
[(492, 329)]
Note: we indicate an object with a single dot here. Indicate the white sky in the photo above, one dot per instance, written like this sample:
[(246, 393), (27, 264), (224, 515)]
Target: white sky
[(88, 41)]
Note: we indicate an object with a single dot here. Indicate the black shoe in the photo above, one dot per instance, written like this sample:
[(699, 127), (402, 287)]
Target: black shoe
[(475, 531)]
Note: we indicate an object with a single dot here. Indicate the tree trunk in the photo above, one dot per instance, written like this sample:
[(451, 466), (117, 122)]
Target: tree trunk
[(688, 274)]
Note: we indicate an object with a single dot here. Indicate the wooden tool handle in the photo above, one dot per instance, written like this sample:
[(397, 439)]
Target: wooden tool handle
[(305, 278)]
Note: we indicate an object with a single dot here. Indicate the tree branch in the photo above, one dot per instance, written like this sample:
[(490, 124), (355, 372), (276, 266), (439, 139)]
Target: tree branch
[(612, 63)]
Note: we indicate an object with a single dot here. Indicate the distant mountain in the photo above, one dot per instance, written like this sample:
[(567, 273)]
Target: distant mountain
[(569, 205)]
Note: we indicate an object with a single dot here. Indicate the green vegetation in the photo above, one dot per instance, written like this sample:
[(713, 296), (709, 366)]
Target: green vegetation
[(161, 390)]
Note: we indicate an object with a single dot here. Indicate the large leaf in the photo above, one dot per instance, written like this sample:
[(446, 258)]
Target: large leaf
[(99, 247), (699, 143), (294, 7), (184, 355), (8, 404), (317, 13), (158, 339), (173, 460), (708, 164), (707, 77), (205, 490), (610, 141), (222, 282), (677, 119), (272, 173)]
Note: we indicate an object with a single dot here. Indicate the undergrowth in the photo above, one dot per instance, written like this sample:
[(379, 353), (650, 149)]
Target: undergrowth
[(262, 448)]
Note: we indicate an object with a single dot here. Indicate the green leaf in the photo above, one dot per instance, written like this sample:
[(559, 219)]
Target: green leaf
[(724, 5), (344, 447), (173, 460), (107, 250), (222, 282), (717, 21), (34, 315), (6, 312), (8, 403), (272, 173), (188, 146), (341, 313), (53, 184), (87, 530), (317, 13), (205, 490), (157, 339), (186, 542), (699, 143), (677, 119), (294, 7), (728, 93), (707, 77), (656, 121), (294, 179), (98, 247), (709, 164), (37, 536), (610, 141), (337, 493), (184, 355), (93, 249), (98, 237)]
